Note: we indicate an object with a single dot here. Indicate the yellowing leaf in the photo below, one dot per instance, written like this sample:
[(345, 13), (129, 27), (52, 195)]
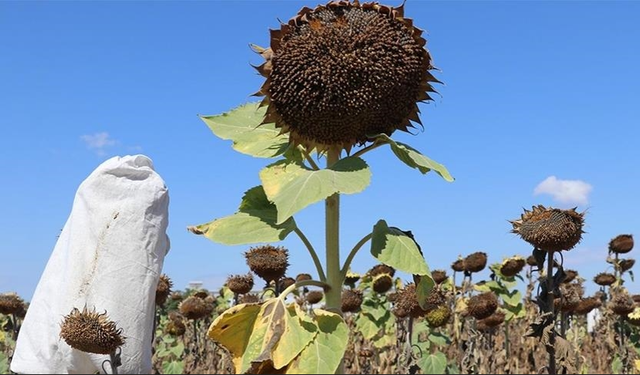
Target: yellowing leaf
[(233, 329), (299, 331), (268, 328)]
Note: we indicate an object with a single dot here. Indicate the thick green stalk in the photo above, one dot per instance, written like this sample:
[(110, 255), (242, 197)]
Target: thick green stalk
[(332, 225)]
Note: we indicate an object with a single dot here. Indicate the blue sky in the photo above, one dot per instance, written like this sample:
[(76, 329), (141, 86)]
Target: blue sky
[(539, 106)]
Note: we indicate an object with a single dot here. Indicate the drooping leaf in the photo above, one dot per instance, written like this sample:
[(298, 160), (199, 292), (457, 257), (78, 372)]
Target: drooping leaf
[(233, 330), (299, 331), (292, 186), (268, 329), (254, 222), (423, 289), (375, 308), (366, 325), (325, 351), (241, 125), (393, 247), (415, 159), (387, 337)]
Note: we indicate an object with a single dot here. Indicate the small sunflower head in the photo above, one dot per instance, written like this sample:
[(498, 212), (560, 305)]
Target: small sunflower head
[(531, 261), (406, 303), (626, 264), (621, 244), (475, 262), (268, 262), (482, 305), (586, 305), (240, 284), (11, 303), (285, 282), (439, 316), (175, 327), (382, 283), (458, 265), (314, 296), (550, 229), (91, 332), (303, 277), (351, 279), (439, 276), (177, 296), (344, 71), (571, 295), (621, 303), (511, 266), (381, 269), (493, 320), (194, 308), (163, 289), (351, 300), (250, 298), (604, 279)]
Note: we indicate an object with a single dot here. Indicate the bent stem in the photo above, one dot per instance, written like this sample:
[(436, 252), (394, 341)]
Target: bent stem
[(352, 254), (313, 254)]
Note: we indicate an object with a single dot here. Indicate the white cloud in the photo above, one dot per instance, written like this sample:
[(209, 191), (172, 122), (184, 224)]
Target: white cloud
[(98, 142), (565, 191)]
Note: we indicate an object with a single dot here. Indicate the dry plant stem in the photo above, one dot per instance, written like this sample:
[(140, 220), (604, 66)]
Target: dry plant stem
[(114, 366), (312, 252), (552, 337), (16, 328)]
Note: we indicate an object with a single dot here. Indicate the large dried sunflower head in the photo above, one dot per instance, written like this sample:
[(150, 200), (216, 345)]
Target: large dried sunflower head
[(621, 303), (163, 289), (604, 279), (439, 276), (268, 262), (344, 71), (482, 305), (458, 265), (91, 332), (382, 283), (11, 303), (586, 305), (621, 244), (493, 320), (550, 229), (406, 303), (314, 296), (475, 262)]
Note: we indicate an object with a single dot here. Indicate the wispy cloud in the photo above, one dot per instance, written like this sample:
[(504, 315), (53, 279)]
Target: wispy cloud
[(565, 191), (98, 142)]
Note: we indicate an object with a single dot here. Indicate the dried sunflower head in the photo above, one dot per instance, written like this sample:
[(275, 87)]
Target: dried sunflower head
[(240, 284), (381, 269), (604, 279), (285, 282), (163, 289), (511, 266), (303, 277), (438, 316), (382, 283), (175, 328), (458, 265), (439, 276), (482, 305), (570, 275), (351, 278), (268, 262), (626, 264), (351, 300), (250, 298), (586, 305), (11, 303), (550, 229), (621, 244), (194, 308), (91, 332), (406, 303), (344, 71), (494, 319), (314, 297), (621, 303), (475, 262)]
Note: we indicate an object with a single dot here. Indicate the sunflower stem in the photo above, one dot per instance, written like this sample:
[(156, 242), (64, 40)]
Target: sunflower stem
[(352, 254), (552, 335), (332, 238), (313, 254), (371, 147), (308, 157)]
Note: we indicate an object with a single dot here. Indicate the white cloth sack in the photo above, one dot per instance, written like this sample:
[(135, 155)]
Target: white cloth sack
[(108, 256)]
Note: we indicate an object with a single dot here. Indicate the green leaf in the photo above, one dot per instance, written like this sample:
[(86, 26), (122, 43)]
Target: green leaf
[(178, 349), (254, 222), (173, 367), (4, 363), (366, 325), (387, 338), (324, 353), (423, 289), (433, 363), (515, 311), (439, 338), (488, 286), (373, 307), (512, 298), (616, 365), (292, 186), (394, 248), (415, 159), (242, 126)]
